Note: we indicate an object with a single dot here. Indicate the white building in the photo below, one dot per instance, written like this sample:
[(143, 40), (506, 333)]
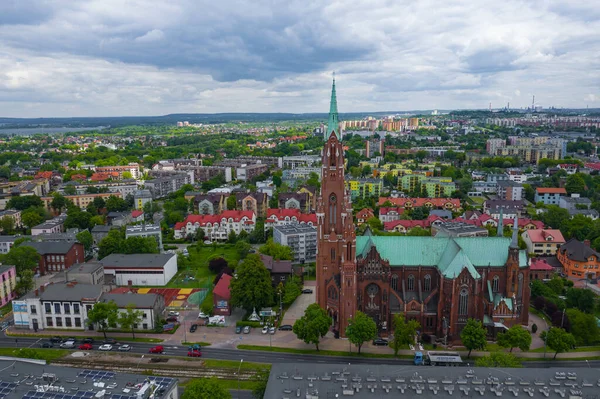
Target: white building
[(301, 238), (283, 217), (6, 243), (152, 306), (56, 225), (145, 230), (216, 227), (140, 269)]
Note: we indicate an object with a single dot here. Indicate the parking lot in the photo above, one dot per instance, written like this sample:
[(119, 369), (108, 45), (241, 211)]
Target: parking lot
[(300, 304)]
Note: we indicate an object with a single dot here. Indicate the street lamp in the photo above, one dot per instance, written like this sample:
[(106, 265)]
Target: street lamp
[(139, 361), (238, 376)]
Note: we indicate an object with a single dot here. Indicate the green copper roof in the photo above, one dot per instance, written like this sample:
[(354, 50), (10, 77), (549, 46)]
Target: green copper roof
[(333, 122), (449, 255)]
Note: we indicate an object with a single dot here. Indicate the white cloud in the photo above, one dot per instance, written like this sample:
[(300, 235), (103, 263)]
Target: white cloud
[(151, 36)]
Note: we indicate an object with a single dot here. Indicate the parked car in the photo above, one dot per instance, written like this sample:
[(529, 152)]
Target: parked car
[(46, 344), (172, 319), (286, 327), (194, 353), (110, 341), (69, 339), (56, 339), (247, 330), (105, 347), (272, 330), (193, 328), (307, 291), (157, 349), (203, 315), (124, 348), (85, 347), (68, 345), (265, 329), (238, 330), (380, 342), (173, 313), (88, 341)]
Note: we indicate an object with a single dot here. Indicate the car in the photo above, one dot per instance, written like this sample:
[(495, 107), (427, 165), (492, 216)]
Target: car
[(69, 339), (172, 319), (105, 347), (265, 329), (124, 348), (85, 347), (193, 328), (247, 330), (208, 242), (380, 342), (46, 344), (87, 341), (157, 349), (203, 315), (286, 327), (68, 345), (173, 313), (238, 330), (56, 339), (272, 330), (194, 353), (110, 341), (307, 291)]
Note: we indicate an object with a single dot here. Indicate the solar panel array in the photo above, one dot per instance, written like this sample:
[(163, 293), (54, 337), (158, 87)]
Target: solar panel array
[(164, 381), (97, 374), (58, 395), (6, 388), (121, 396)]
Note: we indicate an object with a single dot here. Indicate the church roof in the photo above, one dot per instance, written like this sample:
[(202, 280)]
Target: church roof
[(449, 254)]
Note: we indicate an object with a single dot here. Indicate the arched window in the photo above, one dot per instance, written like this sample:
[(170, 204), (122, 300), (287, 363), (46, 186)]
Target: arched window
[(332, 209), (332, 293), (520, 289), (411, 283), (395, 282), (463, 303), (496, 284), (427, 283)]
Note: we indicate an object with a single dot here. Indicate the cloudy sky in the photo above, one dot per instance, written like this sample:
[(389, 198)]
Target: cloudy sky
[(154, 57)]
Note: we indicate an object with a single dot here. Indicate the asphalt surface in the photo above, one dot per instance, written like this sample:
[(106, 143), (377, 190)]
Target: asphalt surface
[(276, 357)]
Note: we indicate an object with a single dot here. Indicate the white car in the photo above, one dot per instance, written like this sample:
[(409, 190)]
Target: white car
[(68, 345), (105, 347), (202, 315), (173, 313), (272, 330), (124, 348), (265, 330)]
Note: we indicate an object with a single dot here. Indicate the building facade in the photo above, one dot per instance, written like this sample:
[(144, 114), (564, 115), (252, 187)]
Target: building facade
[(579, 259), (543, 241), (301, 238), (216, 227), (57, 256), (8, 274), (549, 195)]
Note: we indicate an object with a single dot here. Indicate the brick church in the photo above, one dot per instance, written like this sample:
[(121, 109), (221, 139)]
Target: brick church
[(439, 281)]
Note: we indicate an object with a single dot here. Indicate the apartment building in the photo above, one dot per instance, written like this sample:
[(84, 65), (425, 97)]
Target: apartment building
[(301, 201), (579, 259), (433, 187), (125, 187), (374, 146), (7, 242), (12, 214), (543, 241), (53, 226), (8, 276), (492, 145), (249, 172), (56, 256), (253, 201), (509, 190), (146, 230), (141, 198), (216, 227), (283, 217), (133, 168), (81, 200), (210, 204), (301, 238), (549, 195), (205, 173), (165, 183), (364, 188)]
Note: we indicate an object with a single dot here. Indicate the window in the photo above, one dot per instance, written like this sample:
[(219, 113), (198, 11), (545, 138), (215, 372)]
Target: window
[(68, 322), (395, 282), (75, 308), (332, 254), (47, 307), (59, 322), (57, 308), (67, 308), (145, 315), (496, 284), (49, 321), (282, 278), (463, 303), (411, 283), (33, 309), (77, 322), (427, 283)]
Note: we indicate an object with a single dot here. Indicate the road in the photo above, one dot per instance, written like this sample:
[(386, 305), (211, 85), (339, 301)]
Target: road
[(275, 357)]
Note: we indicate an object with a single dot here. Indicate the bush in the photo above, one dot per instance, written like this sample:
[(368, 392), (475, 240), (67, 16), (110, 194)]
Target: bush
[(207, 308), (434, 346), (534, 328), (426, 338), (253, 324), (169, 247)]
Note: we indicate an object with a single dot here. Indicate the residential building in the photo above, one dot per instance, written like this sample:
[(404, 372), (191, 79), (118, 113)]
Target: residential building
[(6, 243), (82, 200), (146, 230), (118, 219), (292, 176), (283, 217), (492, 145), (206, 173), (8, 275), (132, 168), (281, 270), (266, 187), (452, 204), (390, 214), (12, 214), (458, 229), (222, 296), (255, 202), (216, 227), (365, 188), (83, 273), (374, 146), (574, 202), (579, 260), (140, 269), (509, 190), (590, 213), (543, 241), (137, 216), (433, 187), (570, 168), (124, 187), (299, 161), (531, 153), (299, 201), (312, 194), (53, 226), (363, 215), (163, 184), (141, 198), (271, 162), (405, 226), (442, 213), (250, 172), (540, 269), (509, 207), (151, 305), (210, 204), (301, 238), (549, 195), (56, 256)]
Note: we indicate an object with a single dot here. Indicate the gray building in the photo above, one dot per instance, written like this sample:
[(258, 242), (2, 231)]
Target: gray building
[(145, 230), (165, 183), (83, 273), (99, 232), (509, 190), (141, 198), (301, 238), (6, 243), (152, 306), (574, 202), (458, 229)]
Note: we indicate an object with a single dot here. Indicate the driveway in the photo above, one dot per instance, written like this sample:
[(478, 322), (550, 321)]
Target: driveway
[(300, 304)]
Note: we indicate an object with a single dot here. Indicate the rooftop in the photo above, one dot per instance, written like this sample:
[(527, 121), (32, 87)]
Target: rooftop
[(50, 247), (543, 235), (73, 292), (136, 260), (141, 301), (296, 228), (222, 287), (551, 190)]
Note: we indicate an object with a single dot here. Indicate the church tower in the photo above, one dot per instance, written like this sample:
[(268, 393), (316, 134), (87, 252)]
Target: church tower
[(336, 263), (333, 122)]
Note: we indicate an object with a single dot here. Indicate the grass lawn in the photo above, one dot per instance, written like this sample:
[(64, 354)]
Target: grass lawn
[(321, 352), (577, 349), (46, 354), (229, 384), (234, 365), (477, 200)]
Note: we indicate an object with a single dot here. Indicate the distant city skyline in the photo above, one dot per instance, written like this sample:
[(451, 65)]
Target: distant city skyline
[(95, 58)]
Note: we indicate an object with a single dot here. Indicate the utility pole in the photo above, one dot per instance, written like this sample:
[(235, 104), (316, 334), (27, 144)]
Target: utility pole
[(238, 376)]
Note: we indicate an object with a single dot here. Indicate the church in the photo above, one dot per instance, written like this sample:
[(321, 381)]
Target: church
[(439, 281)]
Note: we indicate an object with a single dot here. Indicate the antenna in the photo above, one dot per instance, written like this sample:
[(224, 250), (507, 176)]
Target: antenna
[(490, 107), (533, 103)]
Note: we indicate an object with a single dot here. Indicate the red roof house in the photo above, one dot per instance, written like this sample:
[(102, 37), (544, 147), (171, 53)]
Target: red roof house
[(221, 296)]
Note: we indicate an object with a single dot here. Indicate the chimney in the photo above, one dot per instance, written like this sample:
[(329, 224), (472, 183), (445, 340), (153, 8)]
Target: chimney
[(37, 292), (42, 288), (586, 243)]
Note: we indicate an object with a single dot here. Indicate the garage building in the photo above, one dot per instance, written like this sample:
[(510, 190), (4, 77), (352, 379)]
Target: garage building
[(140, 269)]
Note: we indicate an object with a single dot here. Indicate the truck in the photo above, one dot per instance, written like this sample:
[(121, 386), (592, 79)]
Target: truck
[(438, 358)]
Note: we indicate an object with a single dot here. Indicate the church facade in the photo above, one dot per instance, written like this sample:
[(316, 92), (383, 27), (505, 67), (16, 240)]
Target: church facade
[(439, 281)]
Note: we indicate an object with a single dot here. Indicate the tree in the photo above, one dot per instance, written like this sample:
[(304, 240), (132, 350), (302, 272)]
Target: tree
[(404, 332), (86, 239), (242, 248), (515, 337), (261, 379), (31, 217), (22, 257), (374, 223), (216, 265), (111, 243), (104, 315), (232, 237), (70, 189), (205, 388), (313, 325), (558, 340), (116, 204), (555, 217), (7, 225), (25, 283), (276, 250), (581, 299), (130, 318), (58, 202), (473, 335), (24, 202), (231, 202), (498, 359), (361, 328), (292, 290), (252, 288), (127, 175), (575, 184), (583, 326)]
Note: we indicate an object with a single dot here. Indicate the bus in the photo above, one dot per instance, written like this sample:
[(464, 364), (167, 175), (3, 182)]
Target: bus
[(438, 358)]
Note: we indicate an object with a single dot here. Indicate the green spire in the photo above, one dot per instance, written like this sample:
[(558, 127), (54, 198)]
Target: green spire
[(333, 122)]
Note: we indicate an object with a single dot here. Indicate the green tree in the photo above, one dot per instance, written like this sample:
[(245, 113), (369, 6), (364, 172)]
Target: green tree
[(498, 359), (111, 243), (31, 217), (104, 315), (276, 250), (558, 340), (22, 257), (584, 327), (557, 285), (555, 217), (7, 225), (575, 184), (292, 290), (25, 283), (242, 248), (581, 299), (86, 239), (70, 189), (515, 337), (313, 325), (231, 202), (473, 335), (205, 388), (23, 202), (115, 204), (59, 202), (232, 237), (130, 318), (374, 223), (404, 332), (252, 288), (99, 202), (361, 328)]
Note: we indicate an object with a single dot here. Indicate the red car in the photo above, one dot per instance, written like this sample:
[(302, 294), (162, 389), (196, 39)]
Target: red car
[(85, 347), (157, 349), (194, 353)]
